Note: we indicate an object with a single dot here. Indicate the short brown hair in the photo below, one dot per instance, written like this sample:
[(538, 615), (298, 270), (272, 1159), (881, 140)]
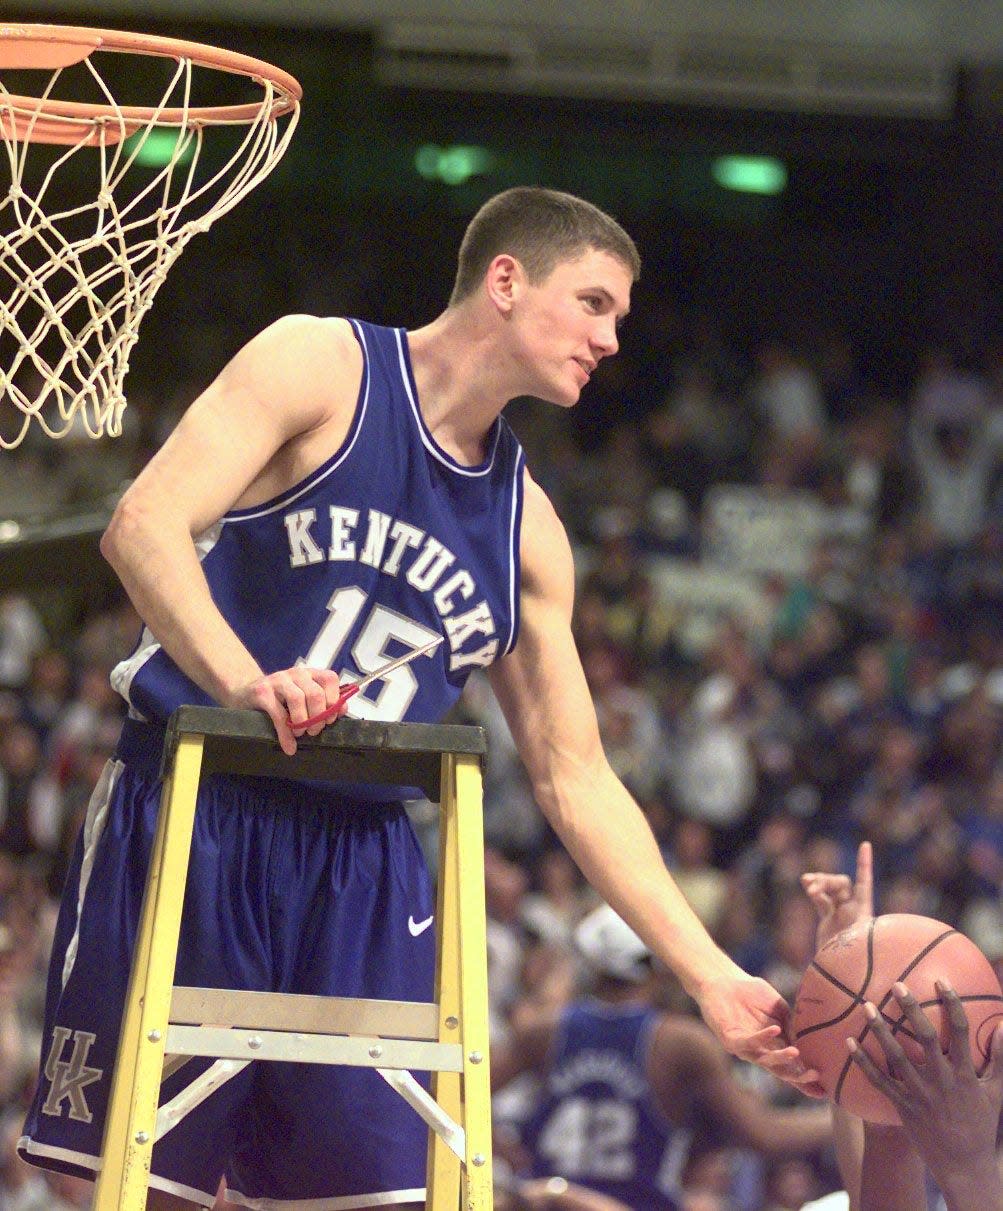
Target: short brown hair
[(541, 228)]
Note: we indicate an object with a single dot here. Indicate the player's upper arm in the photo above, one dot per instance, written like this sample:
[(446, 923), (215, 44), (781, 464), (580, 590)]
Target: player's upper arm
[(297, 375), (540, 685), (688, 1068)]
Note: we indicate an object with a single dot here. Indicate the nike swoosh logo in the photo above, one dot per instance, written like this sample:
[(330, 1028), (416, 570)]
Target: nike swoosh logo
[(418, 927)]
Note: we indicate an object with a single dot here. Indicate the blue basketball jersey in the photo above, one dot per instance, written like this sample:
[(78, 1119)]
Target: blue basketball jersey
[(388, 544), (596, 1123)]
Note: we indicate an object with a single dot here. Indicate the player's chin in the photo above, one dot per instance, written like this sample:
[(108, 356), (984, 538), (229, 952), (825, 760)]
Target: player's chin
[(566, 395)]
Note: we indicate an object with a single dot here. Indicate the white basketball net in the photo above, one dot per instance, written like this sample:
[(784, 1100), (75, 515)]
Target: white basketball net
[(76, 279)]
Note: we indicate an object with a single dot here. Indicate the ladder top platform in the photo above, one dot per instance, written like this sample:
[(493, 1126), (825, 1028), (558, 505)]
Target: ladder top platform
[(352, 750)]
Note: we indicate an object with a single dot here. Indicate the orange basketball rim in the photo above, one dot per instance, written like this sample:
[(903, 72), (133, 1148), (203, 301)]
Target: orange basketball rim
[(79, 273)]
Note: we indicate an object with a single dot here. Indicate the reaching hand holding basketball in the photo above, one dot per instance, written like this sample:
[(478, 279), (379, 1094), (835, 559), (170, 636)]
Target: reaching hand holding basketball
[(950, 1113), (751, 1020)]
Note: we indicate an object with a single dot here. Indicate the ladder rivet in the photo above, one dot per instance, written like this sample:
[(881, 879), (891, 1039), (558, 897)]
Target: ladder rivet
[(452, 1023), (254, 1042), (476, 1057), (478, 1158), (375, 1052), (154, 1036), (142, 1137)]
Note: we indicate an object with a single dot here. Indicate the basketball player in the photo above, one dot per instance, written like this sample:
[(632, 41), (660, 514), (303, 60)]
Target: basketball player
[(950, 1115), (625, 1085), (343, 493)]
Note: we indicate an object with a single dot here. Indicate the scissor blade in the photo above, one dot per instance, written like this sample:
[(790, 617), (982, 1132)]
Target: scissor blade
[(386, 669)]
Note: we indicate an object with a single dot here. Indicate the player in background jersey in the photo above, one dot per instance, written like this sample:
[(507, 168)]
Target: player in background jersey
[(338, 495), (627, 1087), (950, 1114)]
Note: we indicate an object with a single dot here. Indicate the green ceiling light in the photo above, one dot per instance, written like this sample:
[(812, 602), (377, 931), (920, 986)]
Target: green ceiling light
[(452, 165), (750, 174), (156, 148), (426, 161)]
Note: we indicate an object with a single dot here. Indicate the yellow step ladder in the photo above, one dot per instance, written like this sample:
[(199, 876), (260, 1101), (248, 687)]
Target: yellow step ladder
[(164, 1024)]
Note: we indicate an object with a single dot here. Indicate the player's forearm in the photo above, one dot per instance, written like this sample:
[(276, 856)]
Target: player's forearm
[(977, 1188), (606, 833), (792, 1132), (892, 1174), (161, 573), (848, 1140)]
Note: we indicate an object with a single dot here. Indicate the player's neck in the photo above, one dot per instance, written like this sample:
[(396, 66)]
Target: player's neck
[(461, 388)]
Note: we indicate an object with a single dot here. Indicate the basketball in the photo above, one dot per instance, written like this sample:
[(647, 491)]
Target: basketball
[(861, 964)]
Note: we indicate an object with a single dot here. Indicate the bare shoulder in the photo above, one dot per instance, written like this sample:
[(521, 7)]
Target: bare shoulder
[(547, 566), (302, 369)]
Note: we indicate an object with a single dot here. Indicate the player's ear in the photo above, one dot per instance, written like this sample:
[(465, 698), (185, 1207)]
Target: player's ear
[(504, 281)]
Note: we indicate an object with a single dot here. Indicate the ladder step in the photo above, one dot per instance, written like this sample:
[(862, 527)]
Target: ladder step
[(226, 1043), (304, 1014)]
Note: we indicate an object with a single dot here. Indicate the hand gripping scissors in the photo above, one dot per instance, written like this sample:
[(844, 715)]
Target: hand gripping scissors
[(353, 687)]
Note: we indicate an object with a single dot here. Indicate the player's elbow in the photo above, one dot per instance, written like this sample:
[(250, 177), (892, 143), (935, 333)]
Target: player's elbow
[(126, 536)]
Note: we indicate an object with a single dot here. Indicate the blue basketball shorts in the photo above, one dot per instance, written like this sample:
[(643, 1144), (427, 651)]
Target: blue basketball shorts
[(287, 892)]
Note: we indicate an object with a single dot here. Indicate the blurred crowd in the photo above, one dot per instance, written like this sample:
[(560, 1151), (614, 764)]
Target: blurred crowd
[(790, 614)]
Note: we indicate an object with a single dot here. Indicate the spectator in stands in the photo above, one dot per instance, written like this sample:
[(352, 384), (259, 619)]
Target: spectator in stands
[(790, 403), (22, 637), (27, 795), (952, 450)]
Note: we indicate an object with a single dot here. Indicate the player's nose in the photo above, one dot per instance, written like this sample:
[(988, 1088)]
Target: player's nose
[(605, 340)]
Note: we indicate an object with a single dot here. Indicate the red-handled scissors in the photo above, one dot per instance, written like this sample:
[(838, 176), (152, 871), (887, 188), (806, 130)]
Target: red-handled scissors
[(353, 687)]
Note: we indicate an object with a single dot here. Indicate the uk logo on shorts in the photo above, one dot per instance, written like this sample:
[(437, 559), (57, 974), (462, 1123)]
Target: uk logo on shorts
[(69, 1078)]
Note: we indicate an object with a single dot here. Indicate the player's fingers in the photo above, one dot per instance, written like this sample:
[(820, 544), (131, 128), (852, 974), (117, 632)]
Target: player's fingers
[(920, 1025), (327, 678), (264, 698), (863, 887), (754, 1043), (896, 1060), (330, 684), (287, 738), (994, 1070), (822, 883), (958, 1048), (781, 1012), (322, 689), (880, 1080), (822, 904), (316, 704), (886, 1040), (786, 1064), (811, 1088), (288, 689)]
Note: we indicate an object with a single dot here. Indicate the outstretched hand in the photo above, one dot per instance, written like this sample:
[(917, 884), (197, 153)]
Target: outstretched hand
[(838, 902), (751, 1019)]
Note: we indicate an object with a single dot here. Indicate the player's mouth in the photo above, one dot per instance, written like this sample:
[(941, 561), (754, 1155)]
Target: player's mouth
[(585, 367)]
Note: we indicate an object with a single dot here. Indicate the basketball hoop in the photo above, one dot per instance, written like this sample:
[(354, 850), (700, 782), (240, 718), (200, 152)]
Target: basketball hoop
[(78, 276)]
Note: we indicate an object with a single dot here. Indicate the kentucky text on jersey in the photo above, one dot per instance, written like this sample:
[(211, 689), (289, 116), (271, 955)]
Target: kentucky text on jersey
[(397, 548)]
